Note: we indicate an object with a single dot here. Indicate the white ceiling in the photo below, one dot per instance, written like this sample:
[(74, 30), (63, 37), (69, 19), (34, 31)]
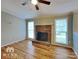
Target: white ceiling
[(57, 7)]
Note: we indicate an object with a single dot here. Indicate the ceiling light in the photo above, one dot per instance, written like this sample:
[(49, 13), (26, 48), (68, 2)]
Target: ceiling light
[(34, 2)]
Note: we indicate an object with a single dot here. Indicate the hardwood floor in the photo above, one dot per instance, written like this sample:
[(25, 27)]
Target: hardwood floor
[(26, 50)]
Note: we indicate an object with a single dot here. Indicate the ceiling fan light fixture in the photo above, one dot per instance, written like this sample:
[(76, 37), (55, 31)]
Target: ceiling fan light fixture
[(34, 2)]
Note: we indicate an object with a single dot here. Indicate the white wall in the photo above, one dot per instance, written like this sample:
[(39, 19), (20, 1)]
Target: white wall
[(75, 32), (13, 29)]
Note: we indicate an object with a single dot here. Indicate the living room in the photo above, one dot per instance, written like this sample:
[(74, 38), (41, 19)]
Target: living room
[(41, 31)]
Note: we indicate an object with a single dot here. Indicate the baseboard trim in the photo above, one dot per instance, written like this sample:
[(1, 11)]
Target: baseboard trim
[(62, 46), (11, 43), (75, 52)]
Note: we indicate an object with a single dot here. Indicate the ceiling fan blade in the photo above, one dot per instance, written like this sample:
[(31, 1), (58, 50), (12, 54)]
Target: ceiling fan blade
[(45, 2), (36, 6)]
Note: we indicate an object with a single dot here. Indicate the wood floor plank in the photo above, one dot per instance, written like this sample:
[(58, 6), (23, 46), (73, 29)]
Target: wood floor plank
[(28, 50)]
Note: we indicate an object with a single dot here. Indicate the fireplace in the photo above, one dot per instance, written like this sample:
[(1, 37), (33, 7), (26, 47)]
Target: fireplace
[(43, 33), (42, 36)]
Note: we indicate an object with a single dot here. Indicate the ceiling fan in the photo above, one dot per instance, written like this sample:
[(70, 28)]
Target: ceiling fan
[(35, 2)]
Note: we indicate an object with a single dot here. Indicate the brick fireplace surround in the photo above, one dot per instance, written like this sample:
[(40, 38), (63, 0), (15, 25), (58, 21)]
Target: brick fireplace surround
[(43, 33)]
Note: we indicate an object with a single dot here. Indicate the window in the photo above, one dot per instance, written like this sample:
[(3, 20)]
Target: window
[(61, 31), (31, 29)]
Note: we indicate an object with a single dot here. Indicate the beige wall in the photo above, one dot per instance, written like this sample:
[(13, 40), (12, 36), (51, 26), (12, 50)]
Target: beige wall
[(75, 32), (75, 22), (44, 21), (13, 29)]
